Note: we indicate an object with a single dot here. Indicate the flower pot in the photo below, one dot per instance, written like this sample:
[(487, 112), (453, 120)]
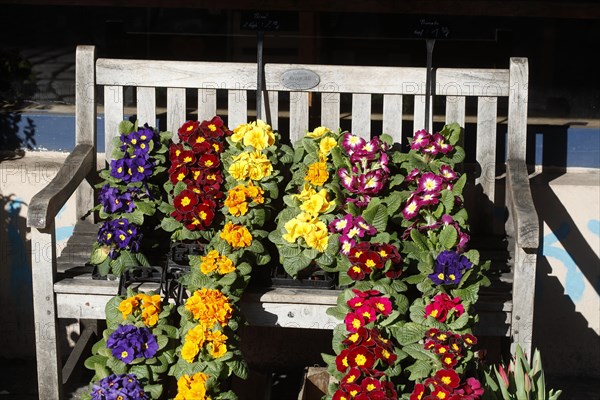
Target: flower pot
[(311, 277), (140, 275)]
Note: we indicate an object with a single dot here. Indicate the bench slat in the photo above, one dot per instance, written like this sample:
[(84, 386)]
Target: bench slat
[(298, 115), (176, 74), (392, 116), (455, 109), (361, 115), (330, 110), (486, 157), (237, 108), (207, 103), (146, 106), (270, 108), (175, 109), (113, 115), (419, 113)]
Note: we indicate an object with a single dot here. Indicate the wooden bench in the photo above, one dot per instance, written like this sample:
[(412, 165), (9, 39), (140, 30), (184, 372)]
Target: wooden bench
[(366, 100)]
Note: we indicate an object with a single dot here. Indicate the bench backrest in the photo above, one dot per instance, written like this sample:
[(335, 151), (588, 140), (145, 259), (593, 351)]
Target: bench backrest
[(366, 100)]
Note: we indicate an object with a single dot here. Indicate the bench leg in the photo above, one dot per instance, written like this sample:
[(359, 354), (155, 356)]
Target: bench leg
[(523, 300), (43, 271)]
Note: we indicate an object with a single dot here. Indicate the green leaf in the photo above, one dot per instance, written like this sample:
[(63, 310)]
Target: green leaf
[(128, 259), (459, 185), (155, 390), (447, 199), (460, 322), (416, 351), (411, 333), (142, 260), (99, 255), (145, 207), (125, 127), (170, 224), (469, 294), (336, 312), (419, 239), (448, 237), (116, 366), (419, 370), (90, 362), (393, 202)]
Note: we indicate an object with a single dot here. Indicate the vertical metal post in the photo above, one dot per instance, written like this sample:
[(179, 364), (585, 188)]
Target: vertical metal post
[(429, 82), (260, 38)]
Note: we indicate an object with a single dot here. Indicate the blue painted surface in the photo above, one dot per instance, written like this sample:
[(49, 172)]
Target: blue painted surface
[(570, 147), (562, 146), (19, 274), (575, 284)]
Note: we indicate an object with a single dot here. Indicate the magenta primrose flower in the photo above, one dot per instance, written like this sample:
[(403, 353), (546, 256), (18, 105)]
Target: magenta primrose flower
[(430, 182), (351, 143), (420, 139), (447, 173), (440, 143)]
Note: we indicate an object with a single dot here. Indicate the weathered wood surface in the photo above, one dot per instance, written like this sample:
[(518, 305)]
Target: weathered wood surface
[(47, 203)]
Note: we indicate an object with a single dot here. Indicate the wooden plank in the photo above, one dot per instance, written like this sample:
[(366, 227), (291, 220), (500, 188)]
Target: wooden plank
[(392, 116), (113, 115), (85, 118), (472, 82), (289, 295), (289, 315), (176, 74), (47, 203), (523, 299), (517, 109), (485, 154), (298, 115), (353, 79), (455, 110), (146, 106), (330, 110), (521, 207), (207, 103), (82, 306), (419, 114), (49, 368), (237, 108), (175, 109), (270, 108), (361, 115)]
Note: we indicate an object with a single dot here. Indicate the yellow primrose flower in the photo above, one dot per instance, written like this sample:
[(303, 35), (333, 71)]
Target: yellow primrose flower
[(318, 132), (326, 145), (318, 239), (127, 306), (306, 193), (291, 227), (236, 235), (259, 166), (209, 306), (317, 173), (225, 265), (236, 201), (239, 170), (192, 387), (314, 205), (239, 132), (189, 351)]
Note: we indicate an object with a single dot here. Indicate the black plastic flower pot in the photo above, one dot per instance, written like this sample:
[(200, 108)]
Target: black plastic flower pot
[(311, 277)]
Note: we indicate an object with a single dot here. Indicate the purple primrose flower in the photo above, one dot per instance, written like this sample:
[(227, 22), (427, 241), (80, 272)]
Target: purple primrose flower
[(124, 387), (129, 342), (449, 268)]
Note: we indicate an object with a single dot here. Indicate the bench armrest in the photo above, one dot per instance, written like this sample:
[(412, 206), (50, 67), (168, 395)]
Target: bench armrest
[(47, 203), (522, 211)]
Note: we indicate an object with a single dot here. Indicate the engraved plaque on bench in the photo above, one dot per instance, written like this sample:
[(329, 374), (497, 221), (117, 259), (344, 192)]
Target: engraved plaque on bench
[(300, 79)]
